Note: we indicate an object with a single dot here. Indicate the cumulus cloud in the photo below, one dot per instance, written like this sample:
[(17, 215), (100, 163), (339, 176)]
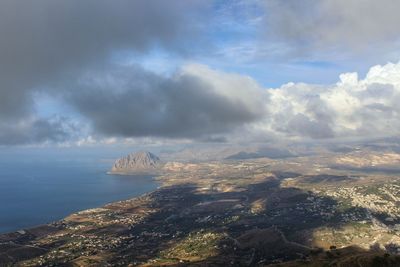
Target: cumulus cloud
[(196, 102), (204, 104), (201, 103), (350, 108), (64, 50)]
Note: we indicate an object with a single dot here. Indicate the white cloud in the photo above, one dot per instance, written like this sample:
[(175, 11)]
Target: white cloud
[(203, 104), (350, 108)]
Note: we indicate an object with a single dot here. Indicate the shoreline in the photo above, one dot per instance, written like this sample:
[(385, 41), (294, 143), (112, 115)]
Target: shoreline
[(83, 211), (151, 177), (210, 214)]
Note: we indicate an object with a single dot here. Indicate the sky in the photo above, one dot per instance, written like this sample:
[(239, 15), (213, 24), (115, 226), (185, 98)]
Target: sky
[(104, 73)]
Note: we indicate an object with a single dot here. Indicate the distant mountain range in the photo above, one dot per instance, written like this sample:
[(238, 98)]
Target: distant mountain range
[(139, 162), (272, 153), (226, 152)]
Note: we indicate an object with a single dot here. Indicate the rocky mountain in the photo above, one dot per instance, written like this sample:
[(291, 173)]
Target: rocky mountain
[(142, 161)]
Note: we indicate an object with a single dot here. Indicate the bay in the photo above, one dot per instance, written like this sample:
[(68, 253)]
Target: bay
[(38, 188)]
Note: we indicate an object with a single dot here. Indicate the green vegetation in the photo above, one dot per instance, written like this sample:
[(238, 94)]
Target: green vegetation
[(197, 246)]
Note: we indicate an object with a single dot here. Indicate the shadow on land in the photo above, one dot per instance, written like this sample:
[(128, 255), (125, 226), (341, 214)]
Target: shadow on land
[(252, 225), (259, 224)]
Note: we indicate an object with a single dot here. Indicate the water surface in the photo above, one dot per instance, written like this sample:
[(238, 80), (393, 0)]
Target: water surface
[(37, 188)]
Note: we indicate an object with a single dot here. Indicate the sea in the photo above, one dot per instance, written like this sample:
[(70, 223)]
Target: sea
[(39, 186)]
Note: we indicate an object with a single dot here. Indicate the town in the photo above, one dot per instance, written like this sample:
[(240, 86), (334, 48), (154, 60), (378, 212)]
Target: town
[(245, 213)]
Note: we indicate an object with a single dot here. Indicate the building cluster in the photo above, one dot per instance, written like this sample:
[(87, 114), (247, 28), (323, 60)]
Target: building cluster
[(382, 199)]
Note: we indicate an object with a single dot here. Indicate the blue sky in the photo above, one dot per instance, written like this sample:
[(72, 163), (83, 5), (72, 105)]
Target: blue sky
[(197, 71), (236, 40)]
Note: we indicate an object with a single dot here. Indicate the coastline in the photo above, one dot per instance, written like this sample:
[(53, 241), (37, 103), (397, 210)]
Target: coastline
[(199, 216), (27, 230), (135, 173), (104, 193)]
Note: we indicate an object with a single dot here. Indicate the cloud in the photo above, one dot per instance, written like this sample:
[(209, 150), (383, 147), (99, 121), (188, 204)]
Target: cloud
[(196, 102), (45, 42), (66, 50), (200, 103), (206, 105), (36, 130), (351, 108), (332, 28)]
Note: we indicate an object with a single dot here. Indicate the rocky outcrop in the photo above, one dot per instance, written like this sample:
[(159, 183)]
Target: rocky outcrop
[(139, 162)]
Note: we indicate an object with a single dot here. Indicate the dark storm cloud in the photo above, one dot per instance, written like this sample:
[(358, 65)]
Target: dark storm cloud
[(66, 50), (43, 41), (131, 102), (34, 130)]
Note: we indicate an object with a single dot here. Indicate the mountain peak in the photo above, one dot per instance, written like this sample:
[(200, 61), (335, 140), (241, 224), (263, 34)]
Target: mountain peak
[(141, 161)]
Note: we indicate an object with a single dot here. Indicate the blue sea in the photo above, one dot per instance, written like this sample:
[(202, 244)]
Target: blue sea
[(38, 186)]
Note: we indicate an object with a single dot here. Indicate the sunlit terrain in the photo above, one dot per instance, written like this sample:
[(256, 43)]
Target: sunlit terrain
[(199, 133)]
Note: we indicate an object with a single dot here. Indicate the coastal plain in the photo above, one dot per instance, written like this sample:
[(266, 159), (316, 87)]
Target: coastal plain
[(300, 211)]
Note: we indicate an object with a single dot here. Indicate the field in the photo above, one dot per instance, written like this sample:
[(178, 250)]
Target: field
[(265, 212)]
